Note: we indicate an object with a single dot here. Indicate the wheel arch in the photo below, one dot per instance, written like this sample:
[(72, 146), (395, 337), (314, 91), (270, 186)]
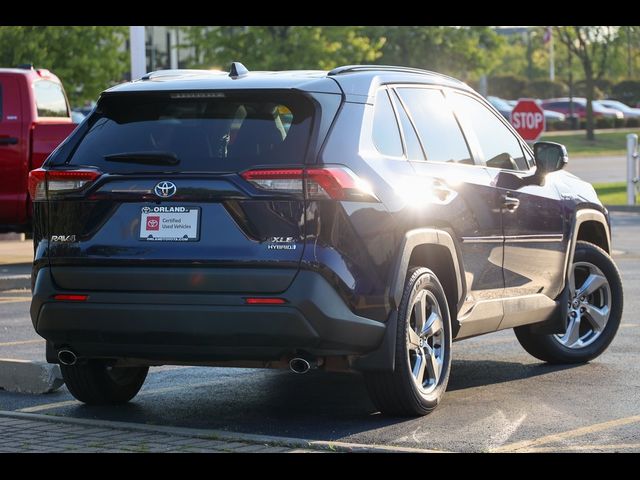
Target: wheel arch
[(434, 249), (426, 247), (589, 225)]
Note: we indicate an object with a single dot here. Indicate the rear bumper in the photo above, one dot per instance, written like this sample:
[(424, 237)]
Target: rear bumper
[(199, 327)]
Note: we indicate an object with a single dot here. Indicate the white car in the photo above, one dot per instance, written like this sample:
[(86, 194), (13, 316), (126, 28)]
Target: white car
[(626, 110)]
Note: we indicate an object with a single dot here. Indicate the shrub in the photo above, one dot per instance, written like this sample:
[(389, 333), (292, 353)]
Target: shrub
[(602, 122), (580, 90), (632, 122), (546, 89), (507, 86), (627, 91), (559, 125)]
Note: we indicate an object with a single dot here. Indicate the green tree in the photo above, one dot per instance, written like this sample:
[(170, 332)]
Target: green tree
[(592, 46), (282, 47), (463, 52), (86, 59)]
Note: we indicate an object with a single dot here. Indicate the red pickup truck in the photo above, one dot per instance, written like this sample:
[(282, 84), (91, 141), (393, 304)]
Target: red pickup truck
[(34, 119)]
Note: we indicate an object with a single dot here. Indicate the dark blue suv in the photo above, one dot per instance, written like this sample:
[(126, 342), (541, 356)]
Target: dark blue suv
[(360, 219)]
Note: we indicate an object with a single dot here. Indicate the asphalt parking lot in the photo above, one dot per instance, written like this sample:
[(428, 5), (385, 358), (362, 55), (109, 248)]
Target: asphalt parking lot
[(499, 398)]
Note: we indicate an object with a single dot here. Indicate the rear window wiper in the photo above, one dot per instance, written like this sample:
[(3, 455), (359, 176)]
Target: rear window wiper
[(149, 158)]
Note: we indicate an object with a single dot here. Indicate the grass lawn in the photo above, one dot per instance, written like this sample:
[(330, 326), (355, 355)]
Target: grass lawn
[(608, 143), (612, 193)]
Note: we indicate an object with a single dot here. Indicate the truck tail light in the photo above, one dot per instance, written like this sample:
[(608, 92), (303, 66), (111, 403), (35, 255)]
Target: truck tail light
[(44, 182), (335, 183)]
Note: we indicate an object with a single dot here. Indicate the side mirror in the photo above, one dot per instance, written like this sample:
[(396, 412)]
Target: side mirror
[(550, 157)]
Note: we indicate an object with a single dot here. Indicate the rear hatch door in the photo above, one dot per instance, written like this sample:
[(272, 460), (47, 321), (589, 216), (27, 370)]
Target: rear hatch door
[(168, 209)]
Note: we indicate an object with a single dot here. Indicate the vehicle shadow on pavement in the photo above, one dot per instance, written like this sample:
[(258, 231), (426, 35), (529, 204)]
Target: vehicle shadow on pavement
[(476, 373), (315, 405)]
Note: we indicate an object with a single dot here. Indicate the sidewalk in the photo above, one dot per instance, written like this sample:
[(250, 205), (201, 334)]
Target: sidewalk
[(20, 435), (33, 433)]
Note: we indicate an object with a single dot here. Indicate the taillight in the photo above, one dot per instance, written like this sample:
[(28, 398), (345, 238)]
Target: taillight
[(43, 182), (336, 183)]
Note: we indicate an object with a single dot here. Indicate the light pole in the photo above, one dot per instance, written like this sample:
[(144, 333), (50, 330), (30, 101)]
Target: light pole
[(138, 52)]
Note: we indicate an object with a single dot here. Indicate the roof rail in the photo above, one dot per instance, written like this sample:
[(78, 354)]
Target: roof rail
[(175, 73), (26, 66), (386, 68)]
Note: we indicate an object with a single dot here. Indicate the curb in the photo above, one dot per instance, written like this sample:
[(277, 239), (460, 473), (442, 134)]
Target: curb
[(223, 435), (25, 376), (15, 282), (623, 208)]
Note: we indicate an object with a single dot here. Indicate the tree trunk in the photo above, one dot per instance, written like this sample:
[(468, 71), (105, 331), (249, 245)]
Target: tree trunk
[(590, 87)]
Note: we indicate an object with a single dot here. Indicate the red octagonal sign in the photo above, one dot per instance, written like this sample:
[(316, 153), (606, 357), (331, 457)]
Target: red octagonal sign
[(527, 117)]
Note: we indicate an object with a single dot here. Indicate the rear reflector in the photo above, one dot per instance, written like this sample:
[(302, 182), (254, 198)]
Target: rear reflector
[(71, 298), (264, 301), (331, 182), (43, 182)]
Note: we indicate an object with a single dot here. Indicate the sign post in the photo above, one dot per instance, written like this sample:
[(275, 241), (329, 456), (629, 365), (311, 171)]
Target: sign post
[(527, 117)]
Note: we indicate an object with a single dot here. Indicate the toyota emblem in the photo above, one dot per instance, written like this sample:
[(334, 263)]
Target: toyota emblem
[(165, 189)]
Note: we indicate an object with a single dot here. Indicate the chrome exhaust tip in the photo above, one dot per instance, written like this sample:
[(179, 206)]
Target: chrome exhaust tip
[(299, 365), (67, 357)]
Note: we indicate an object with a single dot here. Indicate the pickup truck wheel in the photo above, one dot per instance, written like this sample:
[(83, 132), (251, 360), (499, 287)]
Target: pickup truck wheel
[(423, 351), (595, 311), (95, 383)]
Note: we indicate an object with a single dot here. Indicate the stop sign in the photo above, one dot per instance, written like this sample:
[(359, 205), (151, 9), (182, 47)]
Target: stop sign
[(527, 117)]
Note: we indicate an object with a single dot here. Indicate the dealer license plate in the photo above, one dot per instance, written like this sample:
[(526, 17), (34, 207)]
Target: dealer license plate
[(170, 224)]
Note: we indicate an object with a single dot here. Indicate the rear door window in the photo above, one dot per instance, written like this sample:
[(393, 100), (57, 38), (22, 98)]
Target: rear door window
[(412, 144), (50, 99), (386, 135), (206, 131), (437, 127)]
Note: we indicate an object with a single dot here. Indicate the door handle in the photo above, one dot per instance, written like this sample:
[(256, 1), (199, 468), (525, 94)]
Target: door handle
[(8, 140), (510, 203)]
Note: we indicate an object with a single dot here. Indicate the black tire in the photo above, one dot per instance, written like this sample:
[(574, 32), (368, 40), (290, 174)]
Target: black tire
[(397, 393), (94, 383), (548, 348)]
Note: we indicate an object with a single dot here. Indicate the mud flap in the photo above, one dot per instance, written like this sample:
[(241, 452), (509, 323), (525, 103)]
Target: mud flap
[(383, 359), (557, 321)]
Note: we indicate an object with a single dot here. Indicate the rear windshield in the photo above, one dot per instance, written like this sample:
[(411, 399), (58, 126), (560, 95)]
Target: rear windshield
[(205, 131)]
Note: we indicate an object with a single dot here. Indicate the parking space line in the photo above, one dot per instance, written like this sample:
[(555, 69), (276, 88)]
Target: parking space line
[(588, 448), (21, 342), (14, 299), (67, 403), (558, 437), (48, 406)]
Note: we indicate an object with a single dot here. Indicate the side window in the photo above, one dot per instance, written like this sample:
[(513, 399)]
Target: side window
[(386, 135), (412, 144), (437, 128), (50, 99), (500, 147)]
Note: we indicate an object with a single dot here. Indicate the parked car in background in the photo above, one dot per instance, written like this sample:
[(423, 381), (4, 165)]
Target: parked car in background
[(357, 220), (34, 119), (627, 111), (77, 116), (506, 106), (562, 105), (501, 105)]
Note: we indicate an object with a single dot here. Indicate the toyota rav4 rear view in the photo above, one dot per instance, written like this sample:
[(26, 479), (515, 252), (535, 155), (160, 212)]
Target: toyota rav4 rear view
[(360, 219)]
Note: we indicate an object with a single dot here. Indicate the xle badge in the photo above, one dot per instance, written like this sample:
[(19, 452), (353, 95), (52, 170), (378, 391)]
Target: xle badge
[(281, 243)]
